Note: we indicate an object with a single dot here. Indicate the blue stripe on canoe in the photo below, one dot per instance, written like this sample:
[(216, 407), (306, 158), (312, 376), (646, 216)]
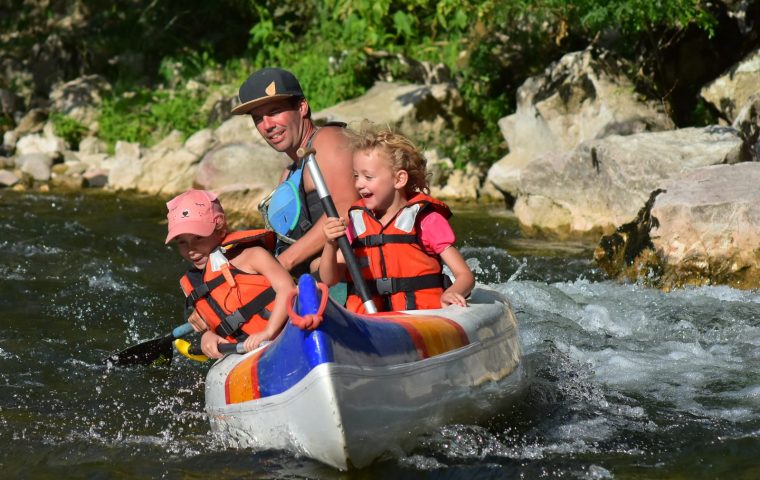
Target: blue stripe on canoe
[(343, 340)]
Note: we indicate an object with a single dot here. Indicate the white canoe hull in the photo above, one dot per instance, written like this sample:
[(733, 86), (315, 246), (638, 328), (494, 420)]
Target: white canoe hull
[(346, 413)]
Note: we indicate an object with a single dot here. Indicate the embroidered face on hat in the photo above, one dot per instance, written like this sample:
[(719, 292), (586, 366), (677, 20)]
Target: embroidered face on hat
[(265, 85), (195, 212)]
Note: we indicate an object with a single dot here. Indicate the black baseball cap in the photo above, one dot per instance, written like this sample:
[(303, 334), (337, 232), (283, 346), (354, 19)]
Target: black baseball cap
[(265, 85)]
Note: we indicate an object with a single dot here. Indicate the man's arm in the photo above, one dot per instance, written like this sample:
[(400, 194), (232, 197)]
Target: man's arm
[(335, 161)]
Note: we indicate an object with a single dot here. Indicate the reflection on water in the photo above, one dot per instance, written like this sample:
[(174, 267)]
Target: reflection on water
[(624, 381)]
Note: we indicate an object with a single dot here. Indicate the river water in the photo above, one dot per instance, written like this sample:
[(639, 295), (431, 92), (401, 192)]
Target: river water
[(623, 381)]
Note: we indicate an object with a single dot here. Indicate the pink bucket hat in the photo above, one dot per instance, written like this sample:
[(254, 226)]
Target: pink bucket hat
[(195, 212)]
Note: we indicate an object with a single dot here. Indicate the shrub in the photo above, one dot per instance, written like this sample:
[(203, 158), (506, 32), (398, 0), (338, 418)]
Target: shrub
[(68, 129)]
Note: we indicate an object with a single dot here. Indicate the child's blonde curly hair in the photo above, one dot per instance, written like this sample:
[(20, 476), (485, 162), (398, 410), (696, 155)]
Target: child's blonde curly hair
[(403, 154)]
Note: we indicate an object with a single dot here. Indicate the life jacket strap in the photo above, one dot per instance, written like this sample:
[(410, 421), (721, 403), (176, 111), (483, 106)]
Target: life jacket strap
[(201, 289), (389, 286), (383, 239), (231, 324)]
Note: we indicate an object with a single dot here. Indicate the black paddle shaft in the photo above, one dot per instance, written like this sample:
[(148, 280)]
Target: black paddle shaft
[(307, 155)]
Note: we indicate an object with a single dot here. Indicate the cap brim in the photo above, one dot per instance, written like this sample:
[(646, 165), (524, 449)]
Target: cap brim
[(202, 229), (246, 107)]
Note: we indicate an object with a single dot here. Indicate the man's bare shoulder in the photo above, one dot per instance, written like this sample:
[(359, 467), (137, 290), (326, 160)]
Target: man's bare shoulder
[(332, 138)]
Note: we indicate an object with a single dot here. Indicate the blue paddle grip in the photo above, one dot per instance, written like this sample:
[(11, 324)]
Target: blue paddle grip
[(183, 330)]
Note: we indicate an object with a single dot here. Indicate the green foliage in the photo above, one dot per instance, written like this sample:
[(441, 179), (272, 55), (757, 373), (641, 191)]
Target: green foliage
[(68, 129), (146, 117), (339, 48)]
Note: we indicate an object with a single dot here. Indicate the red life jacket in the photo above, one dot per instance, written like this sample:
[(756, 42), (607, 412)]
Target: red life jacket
[(233, 312), (399, 273)]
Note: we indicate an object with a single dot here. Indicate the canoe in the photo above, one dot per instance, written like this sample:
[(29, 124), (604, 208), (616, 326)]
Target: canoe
[(358, 386)]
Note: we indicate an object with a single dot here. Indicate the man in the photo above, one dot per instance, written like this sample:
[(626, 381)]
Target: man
[(274, 100)]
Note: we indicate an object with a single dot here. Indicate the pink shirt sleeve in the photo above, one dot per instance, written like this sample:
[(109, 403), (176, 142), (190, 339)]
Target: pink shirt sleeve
[(436, 234)]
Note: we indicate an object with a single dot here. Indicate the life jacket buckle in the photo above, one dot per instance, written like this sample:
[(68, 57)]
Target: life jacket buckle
[(231, 323), (384, 286)]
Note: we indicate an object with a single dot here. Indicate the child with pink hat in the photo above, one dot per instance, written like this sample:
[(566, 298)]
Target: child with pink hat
[(235, 289)]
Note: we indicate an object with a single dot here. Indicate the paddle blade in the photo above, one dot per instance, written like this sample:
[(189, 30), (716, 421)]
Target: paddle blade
[(159, 351)]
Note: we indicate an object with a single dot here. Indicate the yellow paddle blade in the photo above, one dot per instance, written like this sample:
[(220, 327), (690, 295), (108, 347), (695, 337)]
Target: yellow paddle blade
[(183, 347)]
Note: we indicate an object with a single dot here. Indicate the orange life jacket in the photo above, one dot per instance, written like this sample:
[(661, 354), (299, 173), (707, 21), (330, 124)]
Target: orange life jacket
[(235, 311), (399, 273)]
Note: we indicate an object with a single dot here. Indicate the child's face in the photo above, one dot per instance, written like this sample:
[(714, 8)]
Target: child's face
[(196, 249), (375, 180)]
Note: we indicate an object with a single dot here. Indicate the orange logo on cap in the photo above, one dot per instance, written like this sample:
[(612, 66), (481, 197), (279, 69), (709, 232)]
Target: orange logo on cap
[(271, 89)]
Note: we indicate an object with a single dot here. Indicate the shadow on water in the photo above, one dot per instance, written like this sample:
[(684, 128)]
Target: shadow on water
[(622, 381)]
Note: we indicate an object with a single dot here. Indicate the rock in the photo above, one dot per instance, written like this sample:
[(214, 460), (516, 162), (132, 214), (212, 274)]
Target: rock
[(38, 166), (95, 178), (92, 145), (59, 169), (10, 139), (75, 167), (173, 141), (8, 179), (127, 150), (420, 111), (729, 92), (238, 129), (21, 160), (67, 181), (461, 185), (241, 166), (167, 171), (124, 172), (79, 98), (703, 230), (438, 168), (603, 183), (748, 123), (96, 160), (47, 143), (628, 253), (201, 142), (584, 96), (32, 122), (219, 107)]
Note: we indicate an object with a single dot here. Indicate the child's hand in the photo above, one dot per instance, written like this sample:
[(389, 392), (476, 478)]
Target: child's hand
[(254, 341), (209, 344), (199, 325), (452, 298), (334, 228)]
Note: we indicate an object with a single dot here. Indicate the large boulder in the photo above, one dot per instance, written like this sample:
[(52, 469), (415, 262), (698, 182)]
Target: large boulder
[(243, 172), (699, 228), (729, 92), (603, 183), (421, 111), (584, 96)]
